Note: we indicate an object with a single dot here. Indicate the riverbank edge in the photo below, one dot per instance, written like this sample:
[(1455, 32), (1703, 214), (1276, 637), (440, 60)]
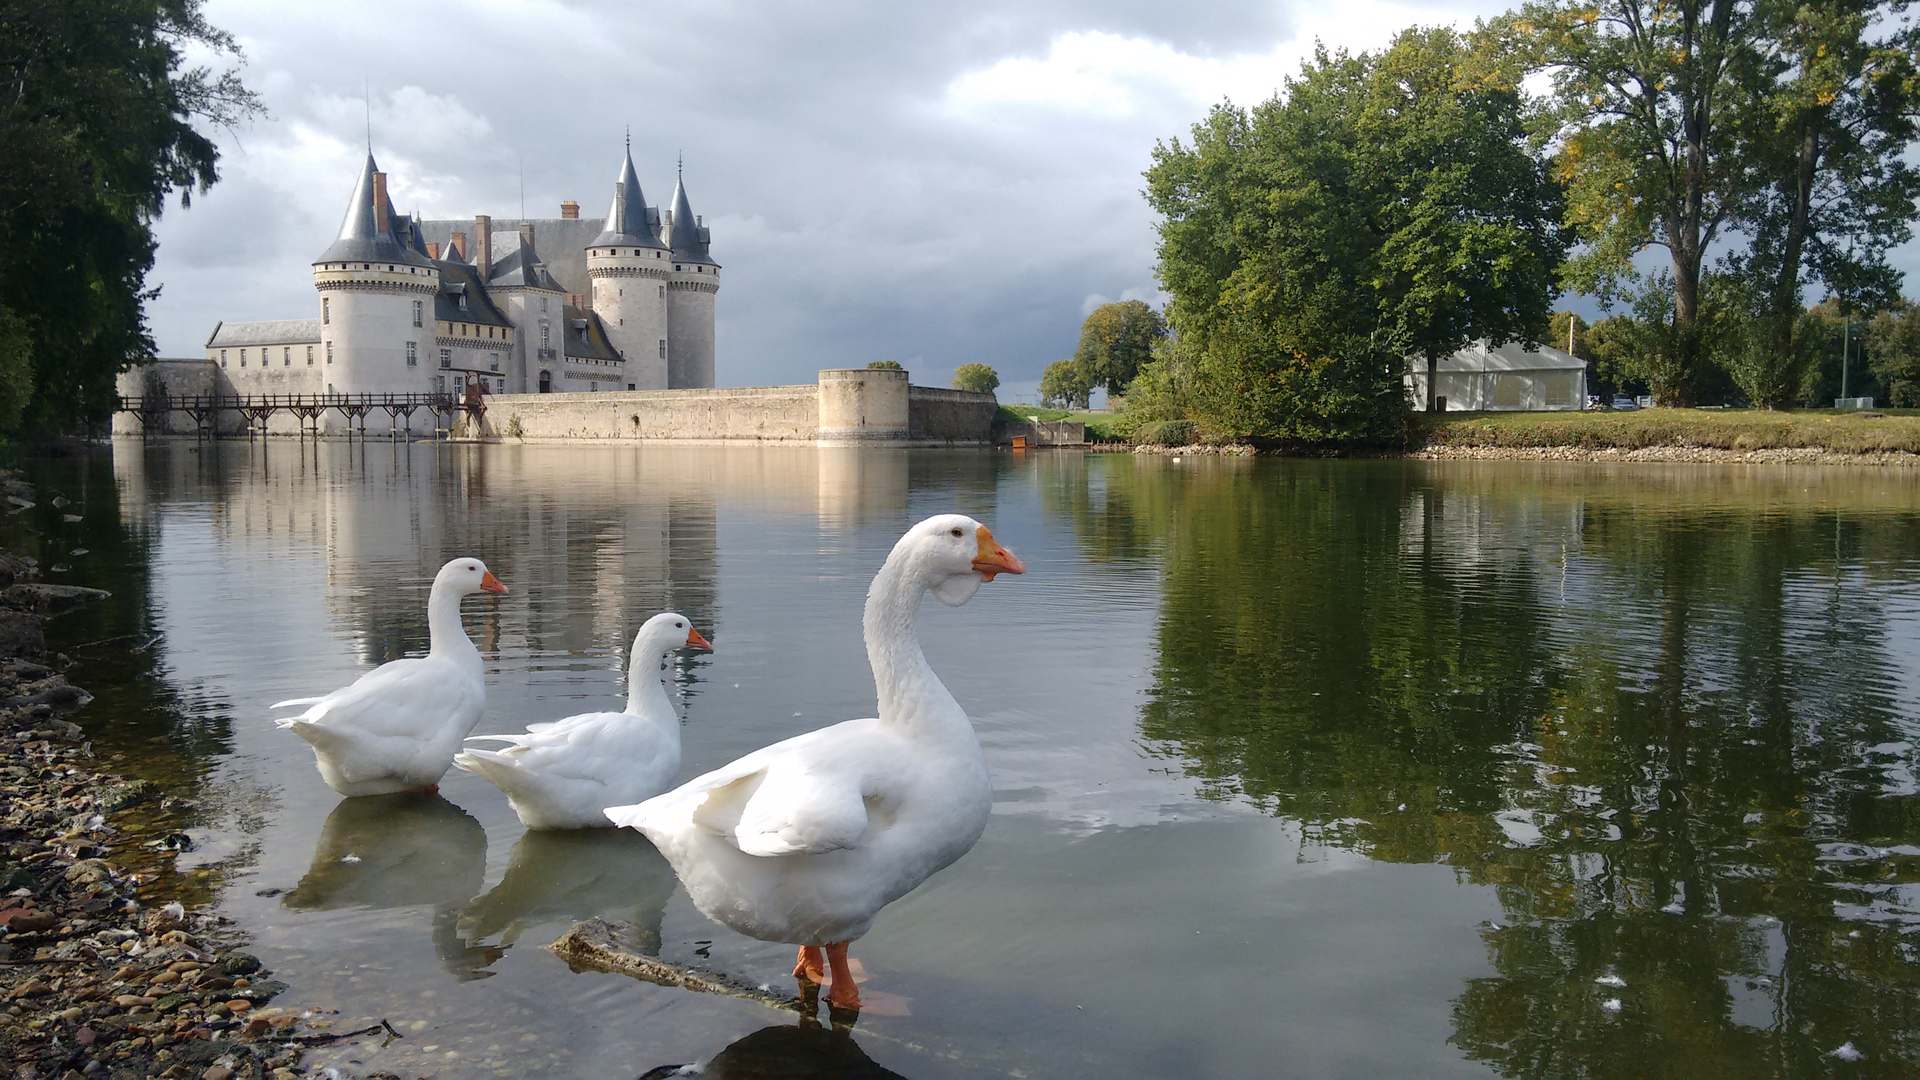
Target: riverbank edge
[(92, 981), (1599, 455)]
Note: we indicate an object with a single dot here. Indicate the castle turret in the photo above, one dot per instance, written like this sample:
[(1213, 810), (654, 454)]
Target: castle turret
[(376, 298), (629, 267), (690, 295)]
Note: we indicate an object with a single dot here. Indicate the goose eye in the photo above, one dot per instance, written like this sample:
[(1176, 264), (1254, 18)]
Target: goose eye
[(956, 530)]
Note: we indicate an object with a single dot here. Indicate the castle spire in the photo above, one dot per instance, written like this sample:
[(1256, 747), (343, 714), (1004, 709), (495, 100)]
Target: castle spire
[(685, 234), (627, 224), (366, 232)]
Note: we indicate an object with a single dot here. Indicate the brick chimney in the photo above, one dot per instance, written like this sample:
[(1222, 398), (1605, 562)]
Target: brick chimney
[(483, 239), (569, 210), (433, 250), (458, 242), (380, 222)]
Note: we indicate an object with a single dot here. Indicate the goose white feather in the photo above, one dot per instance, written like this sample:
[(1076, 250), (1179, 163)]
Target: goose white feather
[(560, 774), (806, 840), (396, 727)]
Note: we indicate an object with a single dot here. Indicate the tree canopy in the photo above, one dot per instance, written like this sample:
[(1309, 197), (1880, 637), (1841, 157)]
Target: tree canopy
[(886, 365), (101, 122), (1116, 341), (1893, 351), (1065, 383), (979, 378), (1382, 206), (1695, 121)]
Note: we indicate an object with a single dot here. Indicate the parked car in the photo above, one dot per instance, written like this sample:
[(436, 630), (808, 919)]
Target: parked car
[(1624, 403)]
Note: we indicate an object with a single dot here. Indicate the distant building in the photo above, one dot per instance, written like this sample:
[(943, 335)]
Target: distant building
[(1509, 378), (412, 306)]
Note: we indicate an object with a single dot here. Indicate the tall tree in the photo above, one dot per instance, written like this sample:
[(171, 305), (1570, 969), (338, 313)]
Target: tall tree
[(1893, 351), (978, 378), (1682, 122), (1116, 341), (101, 119), (1837, 115), (1384, 206), (1065, 383)]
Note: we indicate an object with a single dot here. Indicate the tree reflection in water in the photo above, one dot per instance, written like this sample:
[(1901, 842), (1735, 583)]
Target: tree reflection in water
[(1661, 714)]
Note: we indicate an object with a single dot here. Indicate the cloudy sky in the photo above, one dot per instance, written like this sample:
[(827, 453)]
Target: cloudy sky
[(934, 184)]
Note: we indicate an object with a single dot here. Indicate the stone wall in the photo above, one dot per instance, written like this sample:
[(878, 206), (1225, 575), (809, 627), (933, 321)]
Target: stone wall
[(1044, 433), (763, 413), (949, 416), (173, 376)]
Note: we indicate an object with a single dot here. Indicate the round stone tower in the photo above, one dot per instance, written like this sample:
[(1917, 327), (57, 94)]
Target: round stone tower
[(376, 302), (690, 295), (630, 267)]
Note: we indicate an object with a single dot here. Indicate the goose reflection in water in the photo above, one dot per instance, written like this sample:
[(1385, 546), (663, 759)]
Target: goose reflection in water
[(803, 1051), (562, 876), (382, 852)]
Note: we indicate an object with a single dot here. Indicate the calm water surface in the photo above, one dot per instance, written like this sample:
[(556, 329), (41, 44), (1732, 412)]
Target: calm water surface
[(1350, 768)]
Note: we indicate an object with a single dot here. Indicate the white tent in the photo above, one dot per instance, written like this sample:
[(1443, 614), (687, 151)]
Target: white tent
[(1510, 378)]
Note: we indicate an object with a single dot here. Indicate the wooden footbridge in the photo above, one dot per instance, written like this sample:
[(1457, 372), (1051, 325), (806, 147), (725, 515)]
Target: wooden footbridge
[(205, 410)]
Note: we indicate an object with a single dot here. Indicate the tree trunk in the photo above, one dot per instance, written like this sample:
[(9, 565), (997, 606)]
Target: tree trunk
[(1676, 387), (1433, 377)]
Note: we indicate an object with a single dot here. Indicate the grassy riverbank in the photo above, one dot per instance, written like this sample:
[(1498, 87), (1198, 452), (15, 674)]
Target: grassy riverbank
[(1879, 432), (1099, 424)]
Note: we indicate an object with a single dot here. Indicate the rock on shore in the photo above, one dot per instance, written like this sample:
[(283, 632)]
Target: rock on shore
[(93, 983)]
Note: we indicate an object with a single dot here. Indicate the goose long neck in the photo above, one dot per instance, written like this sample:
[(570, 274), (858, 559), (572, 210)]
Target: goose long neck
[(446, 634), (910, 693), (647, 688)]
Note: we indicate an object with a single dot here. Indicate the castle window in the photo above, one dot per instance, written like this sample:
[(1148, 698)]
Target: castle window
[(502, 384), (663, 292), (243, 358), (309, 356), (543, 303), (446, 358), (286, 356), (223, 358), (366, 266), (493, 361), (440, 383), (413, 354), (463, 301), (631, 386), (329, 360), (663, 348), (416, 312), (544, 343), (326, 310)]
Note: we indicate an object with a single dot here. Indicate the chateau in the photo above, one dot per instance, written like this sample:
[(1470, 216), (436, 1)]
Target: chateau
[(415, 306)]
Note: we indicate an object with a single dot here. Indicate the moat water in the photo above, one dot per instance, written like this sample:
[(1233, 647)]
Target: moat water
[(1314, 768)]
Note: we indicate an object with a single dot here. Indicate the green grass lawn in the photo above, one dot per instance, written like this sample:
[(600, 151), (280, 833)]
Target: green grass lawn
[(1099, 424), (1726, 429)]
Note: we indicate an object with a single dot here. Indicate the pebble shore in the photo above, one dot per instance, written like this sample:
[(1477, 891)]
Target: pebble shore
[(93, 982), (1699, 455)]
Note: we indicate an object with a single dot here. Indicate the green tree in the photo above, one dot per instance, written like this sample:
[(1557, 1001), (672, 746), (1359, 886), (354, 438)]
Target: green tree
[(978, 378), (1563, 324), (1679, 122), (886, 365), (101, 123), (1116, 341), (1893, 351), (1611, 346), (1065, 383), (1382, 206), (1740, 331)]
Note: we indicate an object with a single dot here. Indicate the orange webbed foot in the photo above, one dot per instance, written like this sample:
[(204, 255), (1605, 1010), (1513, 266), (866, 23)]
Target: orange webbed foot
[(845, 993), (810, 965)]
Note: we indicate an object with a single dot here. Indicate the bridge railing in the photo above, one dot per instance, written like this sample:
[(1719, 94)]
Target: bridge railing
[(253, 402)]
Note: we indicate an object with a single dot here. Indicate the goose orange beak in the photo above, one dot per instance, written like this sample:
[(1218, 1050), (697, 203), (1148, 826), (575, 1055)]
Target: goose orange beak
[(695, 640), (993, 559), (491, 583)]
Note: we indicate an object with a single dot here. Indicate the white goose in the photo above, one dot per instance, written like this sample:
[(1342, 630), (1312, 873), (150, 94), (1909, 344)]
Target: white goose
[(396, 727), (562, 774), (806, 840)]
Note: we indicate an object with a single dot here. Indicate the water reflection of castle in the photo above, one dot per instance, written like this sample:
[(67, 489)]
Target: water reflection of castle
[(600, 537)]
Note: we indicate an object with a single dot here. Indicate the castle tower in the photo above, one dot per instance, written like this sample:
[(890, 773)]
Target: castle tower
[(690, 295), (629, 267), (376, 300)]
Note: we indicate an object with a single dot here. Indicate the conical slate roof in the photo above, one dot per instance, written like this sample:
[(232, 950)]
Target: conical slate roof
[(360, 238), (685, 234), (627, 224)]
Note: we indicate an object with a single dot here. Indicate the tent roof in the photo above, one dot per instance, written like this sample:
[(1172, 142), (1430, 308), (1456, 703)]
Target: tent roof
[(1512, 356)]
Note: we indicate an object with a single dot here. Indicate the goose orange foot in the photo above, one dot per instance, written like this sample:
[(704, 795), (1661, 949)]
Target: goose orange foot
[(845, 993), (810, 966)]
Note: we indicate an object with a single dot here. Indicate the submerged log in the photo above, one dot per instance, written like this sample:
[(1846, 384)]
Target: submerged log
[(596, 945)]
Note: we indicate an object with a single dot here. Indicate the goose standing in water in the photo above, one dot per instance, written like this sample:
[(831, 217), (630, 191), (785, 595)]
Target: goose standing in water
[(396, 727), (806, 840), (563, 774)]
